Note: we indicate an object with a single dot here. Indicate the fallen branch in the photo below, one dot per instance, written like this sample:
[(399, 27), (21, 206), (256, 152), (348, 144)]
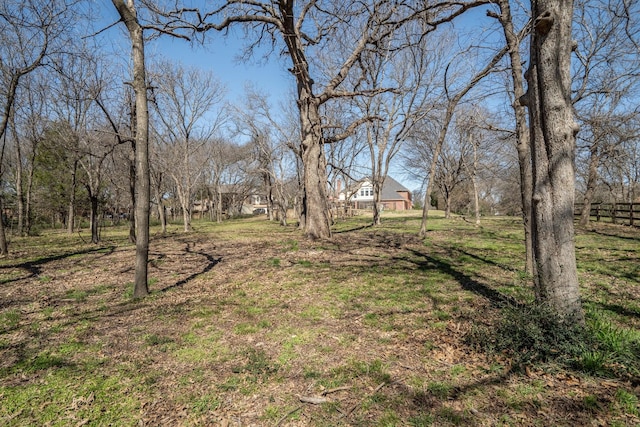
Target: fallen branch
[(293, 411), (334, 390), (313, 400), (353, 408)]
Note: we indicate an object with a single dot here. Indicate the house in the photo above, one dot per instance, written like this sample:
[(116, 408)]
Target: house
[(395, 196)]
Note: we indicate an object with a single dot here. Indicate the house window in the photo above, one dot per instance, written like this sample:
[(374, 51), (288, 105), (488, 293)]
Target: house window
[(363, 192)]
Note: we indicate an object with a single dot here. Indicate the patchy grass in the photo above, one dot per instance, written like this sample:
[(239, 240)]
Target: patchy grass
[(246, 318)]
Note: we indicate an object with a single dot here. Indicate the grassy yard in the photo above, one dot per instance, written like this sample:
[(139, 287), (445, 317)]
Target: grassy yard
[(249, 324)]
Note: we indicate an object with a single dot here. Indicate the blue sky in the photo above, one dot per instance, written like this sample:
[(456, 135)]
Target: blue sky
[(219, 54)]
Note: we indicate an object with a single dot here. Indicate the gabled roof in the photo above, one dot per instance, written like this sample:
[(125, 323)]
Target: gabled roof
[(391, 188)]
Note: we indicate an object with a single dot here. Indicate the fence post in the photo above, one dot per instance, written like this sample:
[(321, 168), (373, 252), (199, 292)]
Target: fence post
[(631, 214), (614, 208), (598, 212)]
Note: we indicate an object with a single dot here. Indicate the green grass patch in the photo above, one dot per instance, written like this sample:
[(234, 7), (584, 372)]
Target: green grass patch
[(435, 331)]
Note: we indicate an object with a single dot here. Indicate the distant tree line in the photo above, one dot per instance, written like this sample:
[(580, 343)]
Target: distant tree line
[(518, 114)]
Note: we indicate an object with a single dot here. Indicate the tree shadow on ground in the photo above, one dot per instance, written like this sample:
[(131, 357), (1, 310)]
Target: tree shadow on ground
[(468, 283), (212, 262), (566, 407), (623, 311), (616, 235), (362, 227), (34, 267), (486, 260)]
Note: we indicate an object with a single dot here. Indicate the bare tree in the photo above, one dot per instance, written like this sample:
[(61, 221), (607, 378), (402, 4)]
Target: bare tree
[(451, 103), (470, 130), (188, 107), (396, 112), (30, 31), (274, 158), (302, 29), (553, 128), (605, 86), (450, 171), (513, 39), (158, 181), (27, 127), (128, 16)]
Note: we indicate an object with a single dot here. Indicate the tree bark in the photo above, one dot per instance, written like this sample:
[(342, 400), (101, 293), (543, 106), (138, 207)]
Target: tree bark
[(317, 224), (132, 193), (552, 129), (93, 220), (4, 246), (142, 184), (71, 211)]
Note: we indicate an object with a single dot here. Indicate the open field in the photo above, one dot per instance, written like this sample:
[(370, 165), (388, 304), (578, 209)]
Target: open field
[(249, 324)]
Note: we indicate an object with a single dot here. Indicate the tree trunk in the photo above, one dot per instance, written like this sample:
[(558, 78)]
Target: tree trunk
[(132, 193), (161, 213), (447, 205), (476, 201), (72, 199), (186, 218), (522, 134), (552, 129), (19, 192), (93, 199), (377, 196), (183, 197), (434, 164), (314, 218), (592, 179), (142, 182), (317, 224), (28, 195), (4, 246)]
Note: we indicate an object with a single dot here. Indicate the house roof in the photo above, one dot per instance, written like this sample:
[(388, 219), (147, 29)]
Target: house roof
[(390, 188)]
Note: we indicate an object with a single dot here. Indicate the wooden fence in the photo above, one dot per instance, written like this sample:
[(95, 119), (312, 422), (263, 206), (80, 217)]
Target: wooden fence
[(617, 213)]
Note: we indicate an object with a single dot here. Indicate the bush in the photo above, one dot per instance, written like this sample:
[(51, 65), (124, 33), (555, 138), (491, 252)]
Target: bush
[(529, 334), (535, 334)]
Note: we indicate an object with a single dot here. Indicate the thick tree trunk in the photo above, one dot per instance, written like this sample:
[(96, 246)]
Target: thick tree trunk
[(447, 205), (314, 218), (317, 223), (143, 183), (553, 128)]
